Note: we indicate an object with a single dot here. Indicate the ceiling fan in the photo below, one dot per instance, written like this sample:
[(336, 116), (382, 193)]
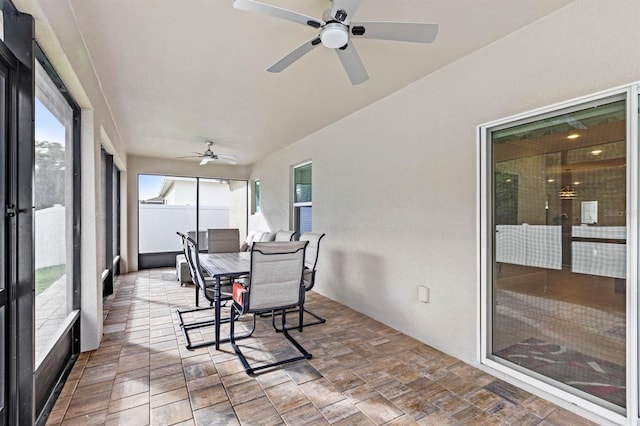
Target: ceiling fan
[(209, 155), (337, 30)]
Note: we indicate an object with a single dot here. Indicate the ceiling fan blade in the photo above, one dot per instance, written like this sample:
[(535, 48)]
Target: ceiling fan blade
[(204, 161), (347, 6), (227, 160), (295, 55), (227, 157), (352, 64), (277, 12), (397, 31), (191, 156)]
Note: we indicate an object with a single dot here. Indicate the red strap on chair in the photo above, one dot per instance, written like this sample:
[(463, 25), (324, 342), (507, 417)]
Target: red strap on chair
[(238, 293)]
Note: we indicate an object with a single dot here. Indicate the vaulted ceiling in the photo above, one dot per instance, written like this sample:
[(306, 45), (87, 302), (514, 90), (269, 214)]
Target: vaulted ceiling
[(178, 73)]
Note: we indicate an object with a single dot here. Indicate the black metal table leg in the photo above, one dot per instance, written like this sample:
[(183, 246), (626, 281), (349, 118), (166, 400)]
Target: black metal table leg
[(216, 299)]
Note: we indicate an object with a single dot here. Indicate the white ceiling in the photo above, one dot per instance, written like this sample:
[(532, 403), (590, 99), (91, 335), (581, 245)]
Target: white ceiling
[(176, 73)]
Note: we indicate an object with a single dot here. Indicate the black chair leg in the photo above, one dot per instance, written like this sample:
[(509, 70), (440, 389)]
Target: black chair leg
[(319, 319), (251, 370), (301, 324), (186, 327), (232, 339), (300, 320)]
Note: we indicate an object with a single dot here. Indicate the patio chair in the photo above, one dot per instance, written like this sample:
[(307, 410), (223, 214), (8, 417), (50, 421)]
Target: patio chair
[(183, 272), (309, 275), (285, 235), (186, 254), (223, 240), (203, 285), (274, 284), (310, 263)]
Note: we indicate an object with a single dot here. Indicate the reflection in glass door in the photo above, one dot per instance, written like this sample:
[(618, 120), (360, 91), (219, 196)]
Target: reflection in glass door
[(558, 290)]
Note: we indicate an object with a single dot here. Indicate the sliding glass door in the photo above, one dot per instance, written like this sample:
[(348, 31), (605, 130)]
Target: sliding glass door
[(557, 286)]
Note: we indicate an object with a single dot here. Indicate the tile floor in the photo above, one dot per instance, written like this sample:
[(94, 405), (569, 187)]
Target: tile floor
[(361, 373), (582, 312)]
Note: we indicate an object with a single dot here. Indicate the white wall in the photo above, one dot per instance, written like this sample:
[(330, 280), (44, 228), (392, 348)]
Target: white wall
[(50, 236), (394, 185)]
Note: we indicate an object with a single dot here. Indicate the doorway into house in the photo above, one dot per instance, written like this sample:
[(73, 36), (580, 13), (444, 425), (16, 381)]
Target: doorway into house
[(558, 259)]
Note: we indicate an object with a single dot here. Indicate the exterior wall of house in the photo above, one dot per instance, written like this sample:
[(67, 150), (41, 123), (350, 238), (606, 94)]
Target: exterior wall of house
[(395, 184), (211, 193)]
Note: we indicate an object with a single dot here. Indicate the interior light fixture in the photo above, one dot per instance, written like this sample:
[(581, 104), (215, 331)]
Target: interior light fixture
[(573, 136), (567, 192), (576, 183), (551, 180), (596, 152)]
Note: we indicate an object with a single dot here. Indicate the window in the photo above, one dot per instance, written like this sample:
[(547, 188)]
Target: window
[(302, 207), (53, 192), (56, 215), (110, 226), (256, 196)]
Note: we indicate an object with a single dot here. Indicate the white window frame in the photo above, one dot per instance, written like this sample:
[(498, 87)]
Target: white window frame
[(563, 398), (294, 205)]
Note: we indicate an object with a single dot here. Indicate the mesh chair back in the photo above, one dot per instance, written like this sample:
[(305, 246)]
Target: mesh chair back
[(224, 240), (275, 281), (311, 257), (191, 253), (201, 240), (285, 235)]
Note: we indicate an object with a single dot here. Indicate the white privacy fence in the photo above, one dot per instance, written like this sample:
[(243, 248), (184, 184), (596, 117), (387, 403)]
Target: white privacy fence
[(158, 224), (50, 237)]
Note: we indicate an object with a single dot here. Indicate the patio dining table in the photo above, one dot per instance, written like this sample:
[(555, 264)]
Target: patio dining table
[(221, 266)]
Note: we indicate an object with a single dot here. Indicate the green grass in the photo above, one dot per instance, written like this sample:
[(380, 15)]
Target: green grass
[(47, 276)]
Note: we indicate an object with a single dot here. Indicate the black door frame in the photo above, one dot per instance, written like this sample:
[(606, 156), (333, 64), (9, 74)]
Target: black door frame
[(17, 52)]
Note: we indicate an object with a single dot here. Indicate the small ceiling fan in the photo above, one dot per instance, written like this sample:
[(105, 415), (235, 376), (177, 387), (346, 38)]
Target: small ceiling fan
[(337, 30), (209, 155)]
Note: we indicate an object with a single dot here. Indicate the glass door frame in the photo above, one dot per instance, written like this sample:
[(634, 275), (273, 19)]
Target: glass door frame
[(485, 260), (17, 52)]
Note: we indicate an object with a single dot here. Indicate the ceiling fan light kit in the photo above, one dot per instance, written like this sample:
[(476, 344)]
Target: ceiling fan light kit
[(334, 35), (336, 31)]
